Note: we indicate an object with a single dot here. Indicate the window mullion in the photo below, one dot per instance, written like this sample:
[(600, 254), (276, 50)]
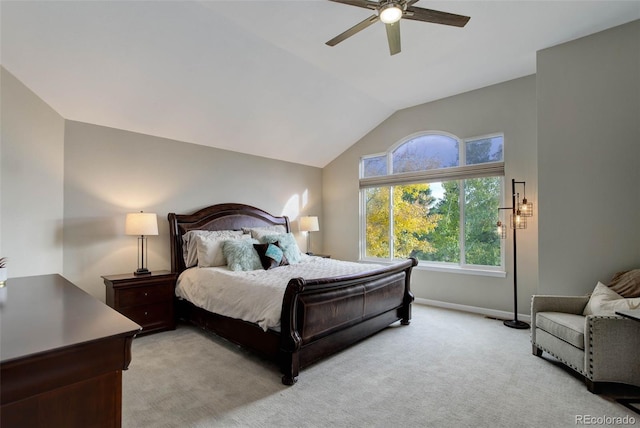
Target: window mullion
[(363, 223), (391, 224), (462, 202)]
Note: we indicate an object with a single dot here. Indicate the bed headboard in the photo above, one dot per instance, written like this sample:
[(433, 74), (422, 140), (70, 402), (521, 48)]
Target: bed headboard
[(216, 217)]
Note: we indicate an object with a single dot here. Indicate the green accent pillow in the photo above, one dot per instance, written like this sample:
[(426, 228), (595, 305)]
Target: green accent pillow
[(288, 243), (241, 255)]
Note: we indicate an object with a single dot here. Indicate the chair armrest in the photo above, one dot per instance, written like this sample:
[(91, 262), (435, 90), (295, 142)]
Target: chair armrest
[(612, 346), (565, 304)]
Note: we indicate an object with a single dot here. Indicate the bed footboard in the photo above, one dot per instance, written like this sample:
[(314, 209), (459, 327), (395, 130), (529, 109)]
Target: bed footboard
[(323, 316)]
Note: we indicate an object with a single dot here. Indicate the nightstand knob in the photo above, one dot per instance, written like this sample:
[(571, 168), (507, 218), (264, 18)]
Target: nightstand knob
[(146, 294), (146, 313)]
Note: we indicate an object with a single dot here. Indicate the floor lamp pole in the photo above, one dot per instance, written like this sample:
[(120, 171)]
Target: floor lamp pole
[(515, 323)]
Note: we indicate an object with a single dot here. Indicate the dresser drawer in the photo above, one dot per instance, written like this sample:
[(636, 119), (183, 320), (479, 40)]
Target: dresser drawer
[(134, 296), (150, 316)]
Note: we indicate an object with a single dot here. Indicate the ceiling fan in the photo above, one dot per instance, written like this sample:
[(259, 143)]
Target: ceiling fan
[(390, 12)]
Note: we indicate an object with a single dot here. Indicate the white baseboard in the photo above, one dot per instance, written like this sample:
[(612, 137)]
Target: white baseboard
[(473, 309)]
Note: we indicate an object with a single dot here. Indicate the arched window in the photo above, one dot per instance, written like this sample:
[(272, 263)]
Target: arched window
[(435, 197)]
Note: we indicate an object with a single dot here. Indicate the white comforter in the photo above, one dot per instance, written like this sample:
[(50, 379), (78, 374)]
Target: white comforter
[(255, 296)]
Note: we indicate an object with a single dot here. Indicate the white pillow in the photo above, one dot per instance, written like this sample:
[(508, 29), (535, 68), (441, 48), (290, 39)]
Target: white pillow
[(190, 246), (210, 249), (605, 301), (259, 232)]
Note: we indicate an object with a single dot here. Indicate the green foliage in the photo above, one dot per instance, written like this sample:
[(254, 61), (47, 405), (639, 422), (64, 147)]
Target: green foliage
[(445, 238), (429, 228), (481, 213), (377, 222), (411, 221)]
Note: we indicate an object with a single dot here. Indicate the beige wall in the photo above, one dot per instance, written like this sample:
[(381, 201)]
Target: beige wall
[(62, 175), (31, 181), (508, 107), (588, 158), (110, 172)]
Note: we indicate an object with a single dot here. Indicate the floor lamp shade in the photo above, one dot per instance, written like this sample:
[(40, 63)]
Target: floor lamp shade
[(309, 224), (141, 224)]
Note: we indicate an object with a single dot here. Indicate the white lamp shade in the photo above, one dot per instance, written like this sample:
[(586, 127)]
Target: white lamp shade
[(141, 224), (309, 224)]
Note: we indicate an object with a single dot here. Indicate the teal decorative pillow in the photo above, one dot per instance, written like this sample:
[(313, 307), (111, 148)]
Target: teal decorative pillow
[(271, 255), (288, 243), (241, 255)]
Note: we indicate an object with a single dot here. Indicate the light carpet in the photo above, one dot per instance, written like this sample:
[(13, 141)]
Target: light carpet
[(446, 369)]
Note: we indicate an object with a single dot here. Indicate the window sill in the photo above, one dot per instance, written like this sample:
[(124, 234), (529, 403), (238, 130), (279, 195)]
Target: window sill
[(447, 268)]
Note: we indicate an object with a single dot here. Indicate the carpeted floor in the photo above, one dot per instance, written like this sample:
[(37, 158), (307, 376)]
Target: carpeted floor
[(447, 369)]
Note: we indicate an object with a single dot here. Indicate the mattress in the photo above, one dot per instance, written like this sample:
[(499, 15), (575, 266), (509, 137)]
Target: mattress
[(256, 296)]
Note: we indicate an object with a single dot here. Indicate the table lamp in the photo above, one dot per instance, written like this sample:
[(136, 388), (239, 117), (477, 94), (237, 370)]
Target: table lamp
[(141, 224)]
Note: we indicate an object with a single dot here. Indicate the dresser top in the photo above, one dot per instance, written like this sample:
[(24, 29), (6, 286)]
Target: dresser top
[(47, 312)]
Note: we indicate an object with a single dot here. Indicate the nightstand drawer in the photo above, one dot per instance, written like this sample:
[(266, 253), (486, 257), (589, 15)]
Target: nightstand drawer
[(149, 316), (135, 296)]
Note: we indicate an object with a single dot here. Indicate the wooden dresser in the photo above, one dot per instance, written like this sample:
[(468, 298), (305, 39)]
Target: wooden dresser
[(62, 353)]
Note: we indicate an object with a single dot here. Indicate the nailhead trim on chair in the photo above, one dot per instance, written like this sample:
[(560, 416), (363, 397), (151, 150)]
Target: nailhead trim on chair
[(582, 372), (590, 348), (586, 373), (590, 320), (562, 360)]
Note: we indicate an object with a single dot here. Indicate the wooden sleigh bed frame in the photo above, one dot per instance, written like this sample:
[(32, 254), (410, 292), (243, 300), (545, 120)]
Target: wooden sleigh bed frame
[(319, 317)]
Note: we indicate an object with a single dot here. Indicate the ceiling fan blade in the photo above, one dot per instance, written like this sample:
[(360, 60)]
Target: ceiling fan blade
[(393, 37), (353, 30), (359, 3), (435, 16)]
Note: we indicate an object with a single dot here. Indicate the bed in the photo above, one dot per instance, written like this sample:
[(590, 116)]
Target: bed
[(318, 317)]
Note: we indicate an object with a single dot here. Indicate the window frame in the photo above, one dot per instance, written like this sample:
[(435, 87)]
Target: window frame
[(459, 173)]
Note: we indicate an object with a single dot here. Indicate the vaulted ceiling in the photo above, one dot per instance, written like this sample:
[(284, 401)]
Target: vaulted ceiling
[(256, 76)]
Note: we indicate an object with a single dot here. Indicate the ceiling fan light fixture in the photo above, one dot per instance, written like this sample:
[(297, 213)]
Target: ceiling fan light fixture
[(390, 13)]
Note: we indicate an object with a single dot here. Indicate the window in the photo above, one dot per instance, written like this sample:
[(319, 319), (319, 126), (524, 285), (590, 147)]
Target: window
[(434, 197)]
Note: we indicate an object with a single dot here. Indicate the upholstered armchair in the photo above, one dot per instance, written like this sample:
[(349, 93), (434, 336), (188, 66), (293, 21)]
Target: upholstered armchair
[(585, 333), (602, 348)]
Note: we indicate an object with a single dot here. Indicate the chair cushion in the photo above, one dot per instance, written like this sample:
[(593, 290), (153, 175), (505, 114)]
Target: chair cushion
[(567, 327)]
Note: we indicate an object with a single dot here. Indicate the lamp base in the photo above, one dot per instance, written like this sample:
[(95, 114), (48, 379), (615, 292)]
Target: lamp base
[(521, 325), (142, 271)]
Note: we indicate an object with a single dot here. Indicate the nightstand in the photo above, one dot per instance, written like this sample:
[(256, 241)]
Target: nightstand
[(147, 300), (324, 256)]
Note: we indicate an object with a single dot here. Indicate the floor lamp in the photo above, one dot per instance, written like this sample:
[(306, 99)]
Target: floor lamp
[(519, 213)]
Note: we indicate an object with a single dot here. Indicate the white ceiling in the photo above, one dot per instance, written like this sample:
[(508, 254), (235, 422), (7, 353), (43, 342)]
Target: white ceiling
[(256, 77)]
